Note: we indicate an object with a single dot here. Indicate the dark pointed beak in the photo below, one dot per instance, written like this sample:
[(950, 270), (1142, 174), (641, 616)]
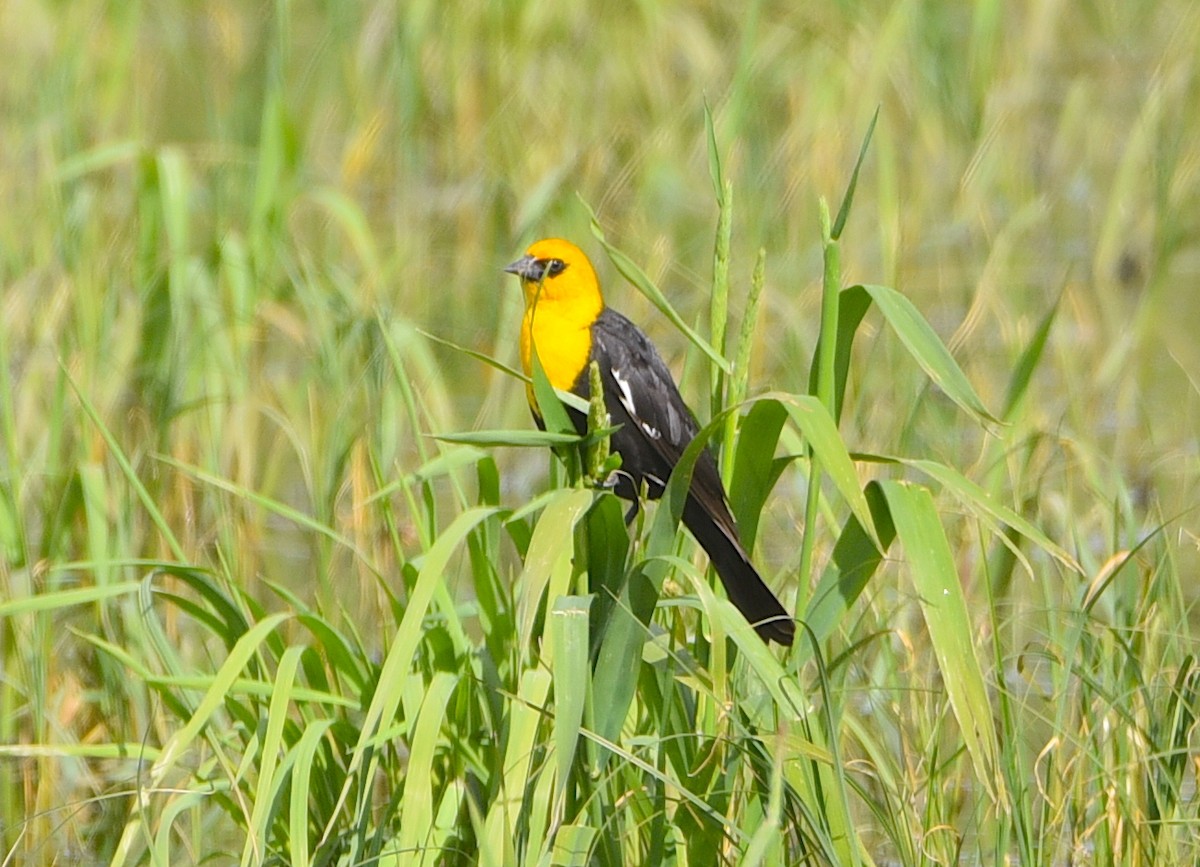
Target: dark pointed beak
[(527, 268)]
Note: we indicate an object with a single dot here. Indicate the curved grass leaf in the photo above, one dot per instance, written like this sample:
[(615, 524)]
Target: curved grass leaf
[(399, 660), (927, 348), (443, 464), (951, 629), (734, 832), (269, 789), (417, 803), (856, 557), (569, 664), (1031, 356), (572, 846), (498, 840), (844, 211), (620, 655), (788, 700), (271, 505), (607, 545), (336, 649), (510, 438), (548, 562), (220, 684), (58, 599), (755, 470), (301, 757), (984, 503), (852, 307), (823, 438), (166, 831)]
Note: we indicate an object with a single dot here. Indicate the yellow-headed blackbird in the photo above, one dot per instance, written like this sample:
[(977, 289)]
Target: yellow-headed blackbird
[(566, 319)]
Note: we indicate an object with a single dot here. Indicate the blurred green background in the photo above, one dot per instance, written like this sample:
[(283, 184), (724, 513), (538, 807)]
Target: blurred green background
[(399, 153), (226, 226)]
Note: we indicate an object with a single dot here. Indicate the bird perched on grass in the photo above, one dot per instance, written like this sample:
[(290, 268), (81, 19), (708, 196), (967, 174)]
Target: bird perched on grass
[(565, 318)]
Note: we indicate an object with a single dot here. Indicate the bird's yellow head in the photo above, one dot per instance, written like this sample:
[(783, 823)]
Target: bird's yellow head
[(556, 271), (562, 300)]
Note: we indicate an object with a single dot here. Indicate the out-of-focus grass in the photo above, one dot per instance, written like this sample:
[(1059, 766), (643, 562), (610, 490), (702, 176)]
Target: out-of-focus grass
[(224, 228)]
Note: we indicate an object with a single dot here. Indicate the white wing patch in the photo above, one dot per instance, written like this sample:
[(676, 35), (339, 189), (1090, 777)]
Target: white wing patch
[(626, 392), (627, 402)]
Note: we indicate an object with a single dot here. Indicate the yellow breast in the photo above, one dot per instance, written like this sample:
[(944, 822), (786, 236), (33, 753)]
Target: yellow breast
[(564, 343)]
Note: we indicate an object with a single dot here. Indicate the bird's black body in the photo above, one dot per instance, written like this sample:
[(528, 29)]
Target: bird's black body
[(655, 427)]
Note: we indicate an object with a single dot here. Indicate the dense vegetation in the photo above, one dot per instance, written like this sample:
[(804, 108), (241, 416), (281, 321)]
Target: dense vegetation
[(279, 584)]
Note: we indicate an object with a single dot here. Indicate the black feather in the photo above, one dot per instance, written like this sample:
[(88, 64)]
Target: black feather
[(656, 427)]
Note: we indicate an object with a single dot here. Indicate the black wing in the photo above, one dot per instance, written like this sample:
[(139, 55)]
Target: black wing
[(656, 428)]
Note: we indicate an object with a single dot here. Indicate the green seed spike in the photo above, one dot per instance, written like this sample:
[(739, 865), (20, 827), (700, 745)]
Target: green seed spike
[(597, 445)]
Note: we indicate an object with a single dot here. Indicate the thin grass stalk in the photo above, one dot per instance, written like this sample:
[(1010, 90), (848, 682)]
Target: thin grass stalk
[(826, 387), (719, 308)]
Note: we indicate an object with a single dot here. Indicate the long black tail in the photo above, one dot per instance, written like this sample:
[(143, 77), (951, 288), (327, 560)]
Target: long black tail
[(743, 584)]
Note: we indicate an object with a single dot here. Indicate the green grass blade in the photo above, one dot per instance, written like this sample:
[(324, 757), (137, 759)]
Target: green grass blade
[(131, 476), (573, 846), (714, 153), (853, 306), (122, 655), (269, 504), (400, 657), (821, 434), (1028, 363), (855, 560), (789, 699), (607, 551), (518, 438), (417, 804), (735, 833), (111, 751), (718, 316), (951, 629), (304, 753), (269, 788), (928, 350), (59, 599), (221, 683), (984, 503), (847, 200), (739, 383), (166, 831), (548, 562), (755, 470), (569, 661), (525, 718), (619, 658), (476, 354)]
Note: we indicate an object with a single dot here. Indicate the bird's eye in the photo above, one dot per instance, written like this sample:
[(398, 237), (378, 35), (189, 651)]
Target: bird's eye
[(554, 267)]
